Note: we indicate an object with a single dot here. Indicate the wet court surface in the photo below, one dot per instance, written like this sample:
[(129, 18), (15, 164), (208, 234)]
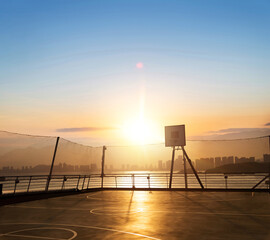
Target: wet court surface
[(140, 215)]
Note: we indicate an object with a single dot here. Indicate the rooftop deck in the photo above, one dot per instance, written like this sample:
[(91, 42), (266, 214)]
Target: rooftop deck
[(140, 215)]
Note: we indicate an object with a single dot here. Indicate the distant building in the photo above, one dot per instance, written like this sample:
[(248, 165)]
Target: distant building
[(217, 161), (266, 157), (84, 168), (244, 159), (93, 167), (168, 165), (179, 164), (227, 160), (160, 165)]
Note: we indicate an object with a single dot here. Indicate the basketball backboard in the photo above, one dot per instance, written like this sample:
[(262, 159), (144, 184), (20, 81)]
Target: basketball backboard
[(175, 136)]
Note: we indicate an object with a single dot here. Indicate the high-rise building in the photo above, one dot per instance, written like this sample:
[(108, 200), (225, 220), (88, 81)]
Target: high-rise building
[(217, 161), (93, 167), (168, 165), (244, 159), (160, 165), (266, 157), (179, 163), (227, 160)]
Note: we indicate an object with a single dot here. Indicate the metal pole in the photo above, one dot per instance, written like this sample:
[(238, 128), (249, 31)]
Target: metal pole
[(29, 183), (83, 181), (79, 178), (193, 169), (226, 181), (102, 165), (51, 169), (63, 183), (257, 184), (133, 181), (88, 181), (171, 174), (185, 171), (15, 186)]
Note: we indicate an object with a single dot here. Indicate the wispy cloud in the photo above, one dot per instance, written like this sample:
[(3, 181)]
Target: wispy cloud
[(238, 130), (84, 129), (233, 133), (267, 124)]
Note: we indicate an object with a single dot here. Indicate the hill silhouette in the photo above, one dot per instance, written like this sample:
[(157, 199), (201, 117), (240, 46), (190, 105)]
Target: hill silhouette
[(249, 167)]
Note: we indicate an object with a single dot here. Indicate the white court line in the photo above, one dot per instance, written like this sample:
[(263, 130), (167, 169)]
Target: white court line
[(213, 213), (29, 236), (32, 236), (178, 195), (142, 211), (48, 208), (102, 199), (82, 226), (117, 211)]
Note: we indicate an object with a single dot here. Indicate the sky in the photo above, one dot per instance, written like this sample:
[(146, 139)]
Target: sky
[(117, 72)]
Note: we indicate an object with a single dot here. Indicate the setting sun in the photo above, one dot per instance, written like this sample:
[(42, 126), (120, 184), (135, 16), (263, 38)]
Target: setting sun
[(141, 132)]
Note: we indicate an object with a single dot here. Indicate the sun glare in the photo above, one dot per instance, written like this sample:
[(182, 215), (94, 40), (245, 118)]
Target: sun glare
[(140, 132)]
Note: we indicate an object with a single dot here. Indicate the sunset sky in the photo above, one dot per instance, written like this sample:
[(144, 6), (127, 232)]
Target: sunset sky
[(116, 72)]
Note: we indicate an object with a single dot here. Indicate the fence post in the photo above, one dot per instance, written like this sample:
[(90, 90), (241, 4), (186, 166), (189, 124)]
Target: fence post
[(226, 181), (148, 177), (15, 186), (63, 184), (51, 169), (133, 181), (83, 181), (30, 179), (88, 181), (79, 178), (116, 181), (102, 165)]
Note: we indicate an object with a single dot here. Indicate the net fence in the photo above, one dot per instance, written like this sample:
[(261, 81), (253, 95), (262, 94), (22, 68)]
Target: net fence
[(205, 154), (74, 158), (24, 154), (32, 155)]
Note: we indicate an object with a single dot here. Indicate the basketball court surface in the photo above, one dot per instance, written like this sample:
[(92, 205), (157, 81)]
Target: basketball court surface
[(140, 215)]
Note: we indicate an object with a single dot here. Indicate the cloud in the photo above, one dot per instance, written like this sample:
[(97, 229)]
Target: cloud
[(238, 130), (267, 124), (233, 133), (84, 129)]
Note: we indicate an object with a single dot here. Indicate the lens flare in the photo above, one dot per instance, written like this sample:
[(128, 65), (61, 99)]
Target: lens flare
[(139, 65)]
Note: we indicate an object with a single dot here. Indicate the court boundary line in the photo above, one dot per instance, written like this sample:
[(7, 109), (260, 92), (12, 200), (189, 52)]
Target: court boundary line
[(40, 237), (142, 211), (83, 226)]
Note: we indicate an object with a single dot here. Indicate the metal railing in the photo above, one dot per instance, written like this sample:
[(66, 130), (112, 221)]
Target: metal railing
[(38, 183)]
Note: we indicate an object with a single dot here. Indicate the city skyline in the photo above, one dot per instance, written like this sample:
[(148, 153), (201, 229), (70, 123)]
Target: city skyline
[(202, 164)]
